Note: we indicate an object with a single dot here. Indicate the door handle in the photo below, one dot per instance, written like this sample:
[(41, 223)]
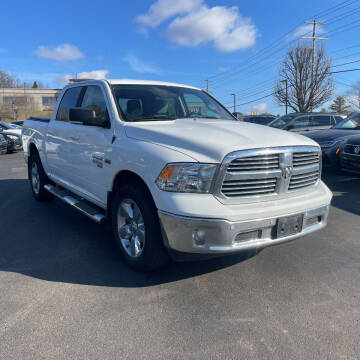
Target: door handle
[(75, 138)]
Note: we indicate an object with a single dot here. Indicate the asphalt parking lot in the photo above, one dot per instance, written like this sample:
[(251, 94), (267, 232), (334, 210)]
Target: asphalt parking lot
[(64, 293)]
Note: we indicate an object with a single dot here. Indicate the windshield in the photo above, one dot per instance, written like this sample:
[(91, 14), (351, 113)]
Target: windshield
[(258, 119), (282, 121), (350, 123), (161, 103)]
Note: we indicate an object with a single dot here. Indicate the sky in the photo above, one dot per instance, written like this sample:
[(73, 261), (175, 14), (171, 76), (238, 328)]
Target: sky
[(237, 45)]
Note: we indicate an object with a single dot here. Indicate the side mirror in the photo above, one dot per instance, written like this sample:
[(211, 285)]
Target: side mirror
[(82, 115), (87, 116)]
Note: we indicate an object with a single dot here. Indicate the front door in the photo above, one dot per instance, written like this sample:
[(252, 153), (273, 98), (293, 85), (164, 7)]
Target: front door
[(90, 146)]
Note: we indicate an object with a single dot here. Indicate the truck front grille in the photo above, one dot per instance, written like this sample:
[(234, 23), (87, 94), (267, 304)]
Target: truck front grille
[(233, 188), (255, 163), (305, 158), (303, 180), (266, 172)]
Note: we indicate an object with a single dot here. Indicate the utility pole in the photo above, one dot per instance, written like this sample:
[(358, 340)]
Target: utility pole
[(207, 85), (286, 94), (234, 95), (314, 38)]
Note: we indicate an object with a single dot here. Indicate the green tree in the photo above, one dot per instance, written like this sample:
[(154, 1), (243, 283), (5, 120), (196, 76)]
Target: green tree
[(339, 106), (35, 85), (323, 110)]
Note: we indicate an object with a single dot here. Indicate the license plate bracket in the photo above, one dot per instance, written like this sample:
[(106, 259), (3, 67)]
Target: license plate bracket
[(289, 225)]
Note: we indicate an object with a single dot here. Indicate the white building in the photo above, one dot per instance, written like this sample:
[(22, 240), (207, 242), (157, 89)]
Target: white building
[(29, 99)]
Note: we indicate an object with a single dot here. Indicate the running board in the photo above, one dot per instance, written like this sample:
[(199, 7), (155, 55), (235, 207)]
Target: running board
[(79, 204)]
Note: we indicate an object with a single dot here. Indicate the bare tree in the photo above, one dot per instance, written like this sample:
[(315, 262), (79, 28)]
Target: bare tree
[(353, 96), (306, 90), (8, 80)]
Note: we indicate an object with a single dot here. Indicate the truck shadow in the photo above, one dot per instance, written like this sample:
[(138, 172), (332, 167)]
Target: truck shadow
[(53, 242), (346, 190)]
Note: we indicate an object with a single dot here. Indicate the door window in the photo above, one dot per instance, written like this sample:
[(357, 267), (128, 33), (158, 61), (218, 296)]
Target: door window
[(69, 100), (320, 120), (299, 123), (94, 99)]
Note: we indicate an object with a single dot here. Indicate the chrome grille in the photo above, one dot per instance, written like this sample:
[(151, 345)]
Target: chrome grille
[(350, 149), (305, 158), (303, 180), (255, 163), (271, 172), (232, 188)]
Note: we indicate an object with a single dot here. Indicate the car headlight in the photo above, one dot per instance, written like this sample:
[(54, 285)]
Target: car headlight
[(12, 137), (187, 177), (329, 144)]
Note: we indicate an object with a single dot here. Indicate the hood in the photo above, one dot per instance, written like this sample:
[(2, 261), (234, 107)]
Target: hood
[(208, 140), (12, 132), (332, 134), (354, 140)]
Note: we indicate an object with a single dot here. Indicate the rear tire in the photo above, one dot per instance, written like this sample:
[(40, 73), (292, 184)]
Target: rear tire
[(38, 179), (136, 228)]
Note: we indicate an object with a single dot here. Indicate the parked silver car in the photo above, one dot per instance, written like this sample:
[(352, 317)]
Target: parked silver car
[(303, 122)]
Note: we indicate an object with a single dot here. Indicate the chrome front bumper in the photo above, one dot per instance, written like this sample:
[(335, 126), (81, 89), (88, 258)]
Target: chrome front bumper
[(219, 236)]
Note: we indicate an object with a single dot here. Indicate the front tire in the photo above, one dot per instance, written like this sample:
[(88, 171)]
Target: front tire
[(136, 228), (38, 179)]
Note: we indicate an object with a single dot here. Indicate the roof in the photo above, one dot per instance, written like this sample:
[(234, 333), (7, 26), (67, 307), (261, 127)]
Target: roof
[(313, 113), (145, 82)]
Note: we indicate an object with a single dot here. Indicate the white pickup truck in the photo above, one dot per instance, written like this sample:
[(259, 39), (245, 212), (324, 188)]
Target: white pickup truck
[(173, 172)]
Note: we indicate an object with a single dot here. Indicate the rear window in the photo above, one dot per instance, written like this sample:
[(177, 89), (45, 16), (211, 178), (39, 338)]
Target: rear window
[(320, 120)]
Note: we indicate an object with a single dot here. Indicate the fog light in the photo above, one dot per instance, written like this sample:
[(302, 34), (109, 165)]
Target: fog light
[(199, 237), (247, 236), (313, 220)]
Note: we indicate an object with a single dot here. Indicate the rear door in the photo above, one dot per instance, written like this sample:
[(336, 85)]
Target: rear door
[(59, 134), (320, 122)]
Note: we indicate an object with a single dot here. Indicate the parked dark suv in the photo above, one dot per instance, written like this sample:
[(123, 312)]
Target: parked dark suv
[(350, 155), (303, 122), (330, 140)]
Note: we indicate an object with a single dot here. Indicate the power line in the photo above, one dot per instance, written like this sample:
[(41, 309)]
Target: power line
[(348, 63), (263, 97), (343, 15), (330, 10), (334, 8), (342, 71)]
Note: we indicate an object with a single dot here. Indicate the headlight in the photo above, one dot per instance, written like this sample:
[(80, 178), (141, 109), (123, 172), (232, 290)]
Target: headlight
[(329, 144), (12, 137), (187, 177)]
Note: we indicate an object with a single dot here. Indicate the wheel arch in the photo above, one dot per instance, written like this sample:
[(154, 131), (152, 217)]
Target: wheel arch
[(122, 178), (32, 149)]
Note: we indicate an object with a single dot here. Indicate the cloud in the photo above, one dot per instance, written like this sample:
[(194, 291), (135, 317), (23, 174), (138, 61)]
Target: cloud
[(223, 69), (94, 74), (63, 79), (140, 66), (306, 30), (222, 25), (65, 52), (195, 24), (162, 10), (260, 108)]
